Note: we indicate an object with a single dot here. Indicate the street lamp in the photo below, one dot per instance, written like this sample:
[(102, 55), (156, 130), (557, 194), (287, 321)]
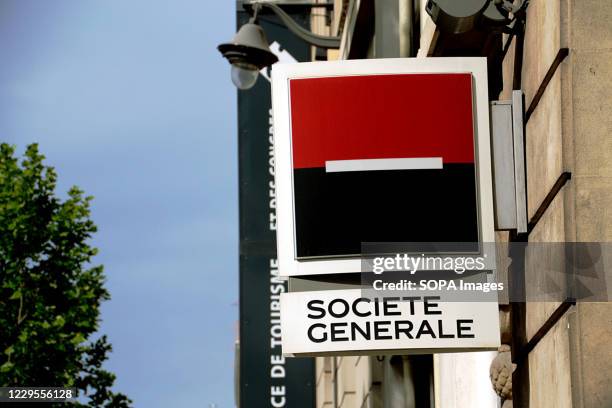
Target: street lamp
[(248, 52), (459, 17)]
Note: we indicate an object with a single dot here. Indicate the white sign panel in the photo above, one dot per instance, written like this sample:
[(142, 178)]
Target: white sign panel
[(384, 150), (346, 322)]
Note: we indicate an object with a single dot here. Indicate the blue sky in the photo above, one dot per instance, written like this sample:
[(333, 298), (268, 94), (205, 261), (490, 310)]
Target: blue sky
[(130, 101)]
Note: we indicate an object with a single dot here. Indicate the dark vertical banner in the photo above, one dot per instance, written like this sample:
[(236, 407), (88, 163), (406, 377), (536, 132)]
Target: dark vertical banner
[(267, 379)]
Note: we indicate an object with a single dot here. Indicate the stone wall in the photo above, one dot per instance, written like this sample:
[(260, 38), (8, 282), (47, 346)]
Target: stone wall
[(570, 130)]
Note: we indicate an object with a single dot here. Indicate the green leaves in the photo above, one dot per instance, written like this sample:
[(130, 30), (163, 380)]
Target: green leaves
[(78, 339), (6, 367), (59, 321), (50, 294), (15, 295)]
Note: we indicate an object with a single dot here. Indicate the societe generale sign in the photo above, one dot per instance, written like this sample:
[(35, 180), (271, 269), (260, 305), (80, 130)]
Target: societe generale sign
[(344, 321), (383, 150)]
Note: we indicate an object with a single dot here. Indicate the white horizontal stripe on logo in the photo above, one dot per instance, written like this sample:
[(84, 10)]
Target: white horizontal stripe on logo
[(412, 163)]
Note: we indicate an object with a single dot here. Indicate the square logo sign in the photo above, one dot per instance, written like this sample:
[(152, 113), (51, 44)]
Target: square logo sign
[(379, 151)]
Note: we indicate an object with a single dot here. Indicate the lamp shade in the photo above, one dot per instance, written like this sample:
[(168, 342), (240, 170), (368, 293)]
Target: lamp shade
[(249, 47)]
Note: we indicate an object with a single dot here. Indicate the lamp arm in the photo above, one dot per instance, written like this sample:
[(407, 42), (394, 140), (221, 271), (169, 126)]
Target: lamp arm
[(321, 41)]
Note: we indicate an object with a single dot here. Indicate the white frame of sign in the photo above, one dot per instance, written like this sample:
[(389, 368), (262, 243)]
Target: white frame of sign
[(289, 265)]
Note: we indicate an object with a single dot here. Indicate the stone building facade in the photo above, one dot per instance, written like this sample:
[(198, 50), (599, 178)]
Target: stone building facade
[(561, 351)]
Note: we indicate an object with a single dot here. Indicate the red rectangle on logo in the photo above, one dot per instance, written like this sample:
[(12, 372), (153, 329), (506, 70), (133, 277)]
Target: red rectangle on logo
[(382, 117)]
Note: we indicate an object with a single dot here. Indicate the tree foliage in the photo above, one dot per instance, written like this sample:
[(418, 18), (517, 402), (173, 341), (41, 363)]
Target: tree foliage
[(50, 293)]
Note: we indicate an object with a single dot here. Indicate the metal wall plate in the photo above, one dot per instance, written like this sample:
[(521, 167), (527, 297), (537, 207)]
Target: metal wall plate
[(507, 139)]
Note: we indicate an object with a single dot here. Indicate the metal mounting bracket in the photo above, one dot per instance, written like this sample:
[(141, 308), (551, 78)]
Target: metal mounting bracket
[(508, 158), (321, 41)]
